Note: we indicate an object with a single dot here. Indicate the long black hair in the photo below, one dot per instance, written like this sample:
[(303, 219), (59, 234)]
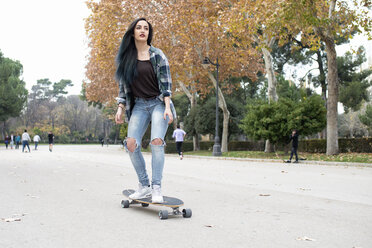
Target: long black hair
[(126, 59)]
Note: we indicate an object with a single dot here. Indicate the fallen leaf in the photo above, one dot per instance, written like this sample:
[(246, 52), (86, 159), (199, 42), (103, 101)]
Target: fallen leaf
[(11, 219), (305, 238), (208, 225)]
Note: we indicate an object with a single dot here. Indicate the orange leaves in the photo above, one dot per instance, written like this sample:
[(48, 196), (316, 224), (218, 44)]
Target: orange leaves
[(189, 30)]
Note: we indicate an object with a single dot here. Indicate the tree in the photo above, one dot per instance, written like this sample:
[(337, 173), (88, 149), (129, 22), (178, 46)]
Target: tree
[(323, 21), (287, 89), (353, 84), (318, 21), (275, 121), (182, 105), (202, 119), (186, 31), (45, 97), (366, 118), (351, 126), (13, 94)]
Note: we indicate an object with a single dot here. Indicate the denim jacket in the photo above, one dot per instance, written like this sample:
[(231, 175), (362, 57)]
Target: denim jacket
[(163, 75)]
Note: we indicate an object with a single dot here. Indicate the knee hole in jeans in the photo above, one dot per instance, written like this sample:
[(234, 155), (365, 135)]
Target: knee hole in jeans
[(131, 144), (157, 142)]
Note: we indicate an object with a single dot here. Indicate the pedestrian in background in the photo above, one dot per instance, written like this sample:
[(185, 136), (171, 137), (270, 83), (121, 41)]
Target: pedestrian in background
[(25, 139), (17, 140), (7, 141), (36, 140), (11, 141), (179, 136), (51, 140), (294, 138)]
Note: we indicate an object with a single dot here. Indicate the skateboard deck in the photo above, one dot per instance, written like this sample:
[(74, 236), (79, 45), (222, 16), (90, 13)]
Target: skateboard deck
[(168, 201), (171, 202)]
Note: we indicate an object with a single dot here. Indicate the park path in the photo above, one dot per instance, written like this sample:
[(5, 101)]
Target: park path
[(71, 198)]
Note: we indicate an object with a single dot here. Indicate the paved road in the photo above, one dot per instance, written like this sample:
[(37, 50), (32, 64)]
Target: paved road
[(71, 198)]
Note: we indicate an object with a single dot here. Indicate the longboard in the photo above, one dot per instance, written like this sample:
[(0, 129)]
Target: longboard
[(171, 202)]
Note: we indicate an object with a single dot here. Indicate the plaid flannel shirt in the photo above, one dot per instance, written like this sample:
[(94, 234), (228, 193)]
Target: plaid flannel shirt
[(161, 68)]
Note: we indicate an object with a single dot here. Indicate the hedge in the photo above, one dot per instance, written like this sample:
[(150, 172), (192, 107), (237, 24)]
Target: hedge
[(359, 145), (208, 146)]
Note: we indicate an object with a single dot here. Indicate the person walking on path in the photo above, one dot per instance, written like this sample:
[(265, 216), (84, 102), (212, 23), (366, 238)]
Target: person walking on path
[(36, 140), (51, 140), (294, 138), (25, 139), (179, 136), (145, 85), (17, 140), (11, 141), (7, 141)]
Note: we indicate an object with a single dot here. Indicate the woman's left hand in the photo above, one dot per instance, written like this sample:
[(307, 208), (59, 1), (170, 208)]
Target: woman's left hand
[(168, 113)]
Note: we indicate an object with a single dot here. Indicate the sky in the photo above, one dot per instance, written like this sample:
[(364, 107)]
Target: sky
[(48, 38)]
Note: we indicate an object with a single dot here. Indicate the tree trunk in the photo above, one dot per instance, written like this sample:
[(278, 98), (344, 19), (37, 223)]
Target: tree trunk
[(192, 99), (3, 131), (226, 115), (332, 81), (322, 80), (225, 132), (332, 113), (272, 95), (117, 129), (269, 147), (322, 76), (195, 138)]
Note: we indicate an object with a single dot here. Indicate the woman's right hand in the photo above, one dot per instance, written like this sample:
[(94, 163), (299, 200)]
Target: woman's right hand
[(119, 116)]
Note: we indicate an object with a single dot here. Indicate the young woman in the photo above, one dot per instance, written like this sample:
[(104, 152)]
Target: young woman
[(144, 93)]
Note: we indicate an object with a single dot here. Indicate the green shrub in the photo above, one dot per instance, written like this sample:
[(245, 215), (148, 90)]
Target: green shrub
[(355, 145), (313, 146)]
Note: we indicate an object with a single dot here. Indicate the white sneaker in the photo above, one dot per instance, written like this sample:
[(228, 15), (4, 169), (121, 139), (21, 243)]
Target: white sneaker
[(157, 197), (142, 192)]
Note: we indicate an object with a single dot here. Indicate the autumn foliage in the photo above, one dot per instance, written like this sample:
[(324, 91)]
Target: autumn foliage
[(186, 31)]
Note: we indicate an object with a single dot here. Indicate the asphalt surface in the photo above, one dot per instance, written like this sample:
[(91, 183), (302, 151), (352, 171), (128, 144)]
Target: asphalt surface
[(71, 198)]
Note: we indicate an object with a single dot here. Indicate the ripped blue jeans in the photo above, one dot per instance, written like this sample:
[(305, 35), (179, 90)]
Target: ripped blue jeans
[(144, 112)]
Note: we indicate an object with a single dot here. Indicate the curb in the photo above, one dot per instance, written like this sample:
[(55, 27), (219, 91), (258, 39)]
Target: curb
[(368, 165)]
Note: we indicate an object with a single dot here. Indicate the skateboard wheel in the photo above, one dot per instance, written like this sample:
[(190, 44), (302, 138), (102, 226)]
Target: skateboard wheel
[(145, 205), (163, 214), (186, 213), (125, 204)]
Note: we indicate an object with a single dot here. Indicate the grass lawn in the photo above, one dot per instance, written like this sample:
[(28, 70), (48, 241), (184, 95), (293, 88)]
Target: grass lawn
[(342, 157)]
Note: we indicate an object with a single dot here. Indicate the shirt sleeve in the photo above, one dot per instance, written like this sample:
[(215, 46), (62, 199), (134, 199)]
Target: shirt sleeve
[(121, 97), (165, 75)]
